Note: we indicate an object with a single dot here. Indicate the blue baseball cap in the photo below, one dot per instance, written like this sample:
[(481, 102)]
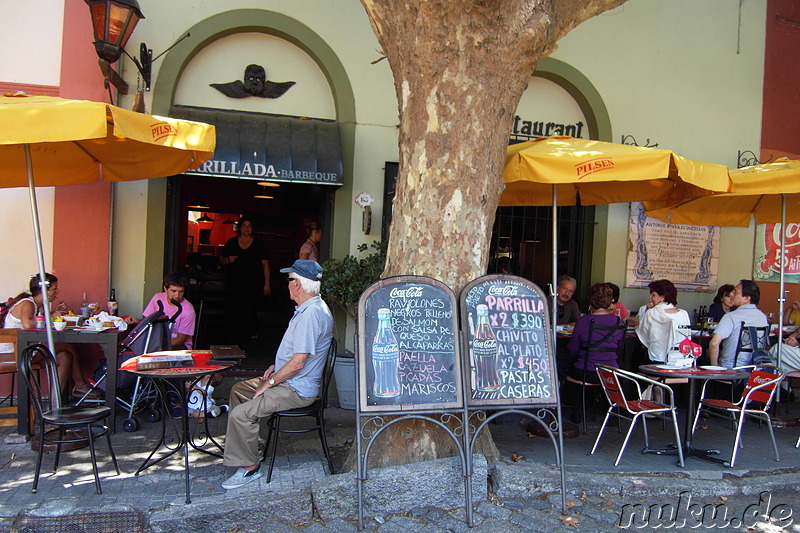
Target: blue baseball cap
[(306, 268)]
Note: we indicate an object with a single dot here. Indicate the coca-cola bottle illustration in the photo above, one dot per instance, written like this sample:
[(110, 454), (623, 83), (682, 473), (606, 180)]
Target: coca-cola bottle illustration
[(484, 350), (385, 358)]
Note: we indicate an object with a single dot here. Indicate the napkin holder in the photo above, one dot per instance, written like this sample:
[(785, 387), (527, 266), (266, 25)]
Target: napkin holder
[(677, 360)]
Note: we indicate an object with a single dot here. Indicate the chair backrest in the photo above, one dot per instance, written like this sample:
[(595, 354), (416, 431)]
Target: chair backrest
[(683, 331), (746, 346), (9, 336), (606, 339), (36, 385), (761, 384), (8, 360), (327, 374), (611, 385)]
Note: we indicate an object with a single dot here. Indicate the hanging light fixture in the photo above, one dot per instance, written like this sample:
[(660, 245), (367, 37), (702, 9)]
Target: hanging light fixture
[(228, 221), (113, 22), (263, 197), (205, 218), (268, 184), (197, 205)]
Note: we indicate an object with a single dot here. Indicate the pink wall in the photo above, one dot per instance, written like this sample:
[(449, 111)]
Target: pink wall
[(82, 212), (780, 128)]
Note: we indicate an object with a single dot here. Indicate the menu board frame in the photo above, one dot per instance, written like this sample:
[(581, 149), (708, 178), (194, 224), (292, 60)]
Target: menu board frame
[(546, 331), (366, 333)]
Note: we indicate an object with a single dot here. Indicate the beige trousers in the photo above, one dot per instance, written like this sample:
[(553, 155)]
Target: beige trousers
[(241, 440)]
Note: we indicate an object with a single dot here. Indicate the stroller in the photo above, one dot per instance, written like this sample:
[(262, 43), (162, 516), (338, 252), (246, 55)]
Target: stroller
[(153, 333)]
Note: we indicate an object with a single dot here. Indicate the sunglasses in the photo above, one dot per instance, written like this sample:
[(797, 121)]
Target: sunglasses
[(290, 279)]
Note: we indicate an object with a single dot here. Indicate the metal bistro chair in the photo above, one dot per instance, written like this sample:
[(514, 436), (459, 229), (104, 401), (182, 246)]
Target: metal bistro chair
[(754, 402), (624, 409), (67, 422), (597, 336), (315, 410), (744, 352), (746, 345)]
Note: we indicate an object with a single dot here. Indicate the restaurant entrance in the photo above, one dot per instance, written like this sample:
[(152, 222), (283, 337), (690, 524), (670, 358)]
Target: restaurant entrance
[(202, 215)]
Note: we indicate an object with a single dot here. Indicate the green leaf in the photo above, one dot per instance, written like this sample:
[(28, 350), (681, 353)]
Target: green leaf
[(345, 279)]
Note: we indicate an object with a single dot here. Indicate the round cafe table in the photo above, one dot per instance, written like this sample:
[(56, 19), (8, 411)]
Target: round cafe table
[(164, 380), (694, 374)]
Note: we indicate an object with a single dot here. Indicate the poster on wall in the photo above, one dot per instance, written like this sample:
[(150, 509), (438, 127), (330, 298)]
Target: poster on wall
[(686, 255), (767, 263)]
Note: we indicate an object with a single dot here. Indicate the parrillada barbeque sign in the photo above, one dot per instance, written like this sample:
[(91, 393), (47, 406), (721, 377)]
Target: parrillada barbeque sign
[(217, 167)]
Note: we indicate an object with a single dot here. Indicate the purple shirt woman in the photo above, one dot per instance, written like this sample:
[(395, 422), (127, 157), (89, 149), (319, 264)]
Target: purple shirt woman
[(601, 305)]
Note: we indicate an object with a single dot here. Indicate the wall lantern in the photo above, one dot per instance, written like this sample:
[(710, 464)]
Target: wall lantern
[(113, 22)]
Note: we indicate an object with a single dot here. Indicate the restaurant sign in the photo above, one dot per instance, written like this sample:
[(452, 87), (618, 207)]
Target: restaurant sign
[(767, 262), (216, 167), (277, 148)]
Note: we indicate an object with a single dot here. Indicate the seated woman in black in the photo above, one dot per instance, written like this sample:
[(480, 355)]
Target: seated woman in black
[(723, 302)]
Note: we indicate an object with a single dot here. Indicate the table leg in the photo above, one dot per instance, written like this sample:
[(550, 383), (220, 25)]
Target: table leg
[(23, 405), (110, 353), (184, 439), (688, 448), (163, 441), (185, 421)]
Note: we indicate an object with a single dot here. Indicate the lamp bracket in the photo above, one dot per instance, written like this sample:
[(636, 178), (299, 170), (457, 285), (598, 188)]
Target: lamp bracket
[(144, 63)]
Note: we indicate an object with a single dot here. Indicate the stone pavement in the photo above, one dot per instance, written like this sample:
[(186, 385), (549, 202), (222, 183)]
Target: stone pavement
[(520, 492)]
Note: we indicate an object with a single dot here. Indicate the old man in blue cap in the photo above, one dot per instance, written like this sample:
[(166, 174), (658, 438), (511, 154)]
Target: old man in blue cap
[(292, 382)]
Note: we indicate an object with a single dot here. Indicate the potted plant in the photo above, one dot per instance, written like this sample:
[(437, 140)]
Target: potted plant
[(344, 281)]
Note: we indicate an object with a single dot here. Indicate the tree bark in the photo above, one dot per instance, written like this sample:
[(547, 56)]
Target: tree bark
[(460, 68)]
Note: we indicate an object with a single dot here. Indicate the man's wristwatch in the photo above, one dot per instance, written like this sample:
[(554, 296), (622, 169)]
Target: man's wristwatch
[(271, 382)]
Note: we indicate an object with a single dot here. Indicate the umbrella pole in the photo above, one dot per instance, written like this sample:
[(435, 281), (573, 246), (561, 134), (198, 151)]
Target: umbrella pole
[(554, 309), (781, 293), (37, 231)]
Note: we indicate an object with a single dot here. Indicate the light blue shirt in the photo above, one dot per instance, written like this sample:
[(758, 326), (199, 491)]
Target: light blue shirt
[(310, 331), (728, 329)]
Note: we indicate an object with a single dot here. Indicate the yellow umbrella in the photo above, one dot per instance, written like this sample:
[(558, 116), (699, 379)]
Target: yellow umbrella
[(759, 192), (558, 170), (77, 141), (769, 192), (69, 142), (589, 169)]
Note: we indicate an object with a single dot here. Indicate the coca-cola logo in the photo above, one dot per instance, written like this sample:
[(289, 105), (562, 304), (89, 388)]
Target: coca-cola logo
[(409, 292), (484, 344), (385, 348), (771, 261), (503, 290), (760, 379)]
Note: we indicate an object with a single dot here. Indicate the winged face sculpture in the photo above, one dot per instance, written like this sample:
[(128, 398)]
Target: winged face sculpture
[(255, 84)]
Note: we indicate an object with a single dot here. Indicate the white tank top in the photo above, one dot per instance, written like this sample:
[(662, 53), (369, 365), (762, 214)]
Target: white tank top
[(13, 322)]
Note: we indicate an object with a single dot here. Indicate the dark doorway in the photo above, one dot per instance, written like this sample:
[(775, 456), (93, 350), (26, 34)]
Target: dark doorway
[(195, 238), (522, 243)]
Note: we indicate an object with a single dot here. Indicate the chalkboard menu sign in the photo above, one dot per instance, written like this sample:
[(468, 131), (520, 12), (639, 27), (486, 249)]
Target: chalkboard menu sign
[(509, 356), (408, 352)]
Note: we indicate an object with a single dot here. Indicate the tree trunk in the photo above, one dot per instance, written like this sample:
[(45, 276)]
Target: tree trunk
[(460, 68)]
